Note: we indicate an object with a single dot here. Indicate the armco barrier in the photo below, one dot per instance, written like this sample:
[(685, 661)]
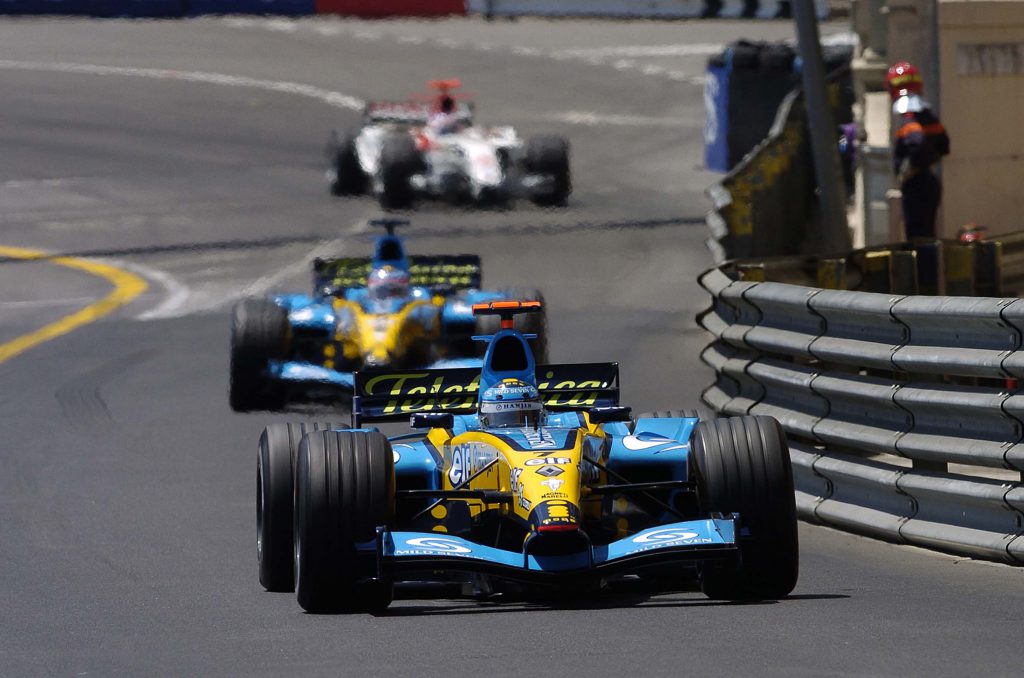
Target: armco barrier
[(904, 411)]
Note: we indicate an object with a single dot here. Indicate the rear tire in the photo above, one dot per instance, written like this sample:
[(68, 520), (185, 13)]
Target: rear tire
[(527, 323), (345, 489), (549, 155), (259, 334), (399, 160), (346, 175), (742, 465), (275, 496)]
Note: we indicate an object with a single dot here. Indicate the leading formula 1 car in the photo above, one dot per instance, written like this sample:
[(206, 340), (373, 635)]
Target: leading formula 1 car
[(523, 473), (433, 148), (389, 310)]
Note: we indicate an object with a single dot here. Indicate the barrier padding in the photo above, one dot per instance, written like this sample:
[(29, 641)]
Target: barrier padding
[(97, 8), (279, 7), (386, 8)]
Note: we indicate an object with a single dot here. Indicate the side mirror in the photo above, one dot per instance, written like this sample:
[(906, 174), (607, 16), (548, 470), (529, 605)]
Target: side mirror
[(432, 420), (603, 415)]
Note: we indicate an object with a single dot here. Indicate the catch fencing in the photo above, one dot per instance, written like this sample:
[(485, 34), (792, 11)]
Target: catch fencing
[(904, 412)]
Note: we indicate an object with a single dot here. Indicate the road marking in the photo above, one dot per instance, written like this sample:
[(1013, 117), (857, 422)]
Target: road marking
[(336, 99), (703, 49), (127, 286), (46, 303), (598, 119), (176, 292)]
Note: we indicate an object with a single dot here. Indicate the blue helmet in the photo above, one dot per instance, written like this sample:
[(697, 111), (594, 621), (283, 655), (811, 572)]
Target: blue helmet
[(511, 402)]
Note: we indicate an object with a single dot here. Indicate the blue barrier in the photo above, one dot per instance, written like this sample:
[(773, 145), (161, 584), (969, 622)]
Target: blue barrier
[(716, 118), (285, 7), (98, 8)]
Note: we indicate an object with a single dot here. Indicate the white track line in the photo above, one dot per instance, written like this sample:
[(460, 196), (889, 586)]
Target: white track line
[(47, 303), (331, 98), (176, 292)]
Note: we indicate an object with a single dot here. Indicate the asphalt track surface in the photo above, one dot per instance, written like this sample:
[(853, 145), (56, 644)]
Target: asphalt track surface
[(126, 483)]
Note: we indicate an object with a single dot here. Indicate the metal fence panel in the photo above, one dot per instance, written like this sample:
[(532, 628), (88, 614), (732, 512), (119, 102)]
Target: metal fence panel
[(863, 413), (859, 328), (957, 424), (955, 335), (960, 515), (865, 497)]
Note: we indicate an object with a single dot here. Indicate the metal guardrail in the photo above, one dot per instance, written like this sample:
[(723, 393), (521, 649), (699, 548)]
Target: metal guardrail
[(904, 412)]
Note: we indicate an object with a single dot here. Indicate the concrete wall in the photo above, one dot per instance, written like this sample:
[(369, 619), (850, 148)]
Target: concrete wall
[(981, 60)]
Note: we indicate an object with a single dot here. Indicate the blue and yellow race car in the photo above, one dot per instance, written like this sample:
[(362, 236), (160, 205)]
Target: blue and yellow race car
[(390, 310), (520, 474)]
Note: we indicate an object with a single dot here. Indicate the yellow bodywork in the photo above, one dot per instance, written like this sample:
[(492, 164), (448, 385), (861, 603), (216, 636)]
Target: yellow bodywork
[(482, 460), (380, 338)]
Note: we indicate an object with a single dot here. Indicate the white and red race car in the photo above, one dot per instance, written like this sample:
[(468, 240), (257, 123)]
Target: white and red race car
[(432, 148)]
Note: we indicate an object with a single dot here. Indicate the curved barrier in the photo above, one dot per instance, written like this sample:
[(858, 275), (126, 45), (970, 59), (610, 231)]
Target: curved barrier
[(904, 413)]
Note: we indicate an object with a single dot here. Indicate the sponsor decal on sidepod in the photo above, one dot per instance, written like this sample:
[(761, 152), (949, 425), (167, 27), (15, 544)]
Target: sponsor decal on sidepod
[(432, 546)]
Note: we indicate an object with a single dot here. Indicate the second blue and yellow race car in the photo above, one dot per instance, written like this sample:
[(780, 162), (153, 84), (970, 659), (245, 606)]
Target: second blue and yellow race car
[(391, 310)]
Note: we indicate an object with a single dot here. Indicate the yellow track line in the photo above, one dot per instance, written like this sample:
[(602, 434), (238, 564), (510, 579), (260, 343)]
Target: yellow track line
[(127, 286)]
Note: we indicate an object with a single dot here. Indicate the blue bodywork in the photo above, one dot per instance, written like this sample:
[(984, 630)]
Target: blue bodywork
[(646, 450)]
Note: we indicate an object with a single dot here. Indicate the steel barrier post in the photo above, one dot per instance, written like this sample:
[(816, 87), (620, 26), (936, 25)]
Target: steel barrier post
[(904, 272), (832, 274), (958, 265), (929, 267), (877, 272)]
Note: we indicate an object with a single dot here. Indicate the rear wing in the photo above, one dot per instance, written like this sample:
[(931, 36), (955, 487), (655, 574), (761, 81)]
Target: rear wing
[(385, 395), (400, 112), (442, 274)]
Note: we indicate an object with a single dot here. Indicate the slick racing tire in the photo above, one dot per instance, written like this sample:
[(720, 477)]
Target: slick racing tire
[(399, 160), (345, 489), (527, 323), (742, 465), (345, 176), (275, 489), (549, 156), (259, 334)]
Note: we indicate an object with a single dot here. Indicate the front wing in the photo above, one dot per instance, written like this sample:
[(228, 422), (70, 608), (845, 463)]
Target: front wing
[(694, 540)]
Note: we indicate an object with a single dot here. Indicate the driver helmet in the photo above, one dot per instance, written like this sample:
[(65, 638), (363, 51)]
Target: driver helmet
[(387, 283), (511, 402)]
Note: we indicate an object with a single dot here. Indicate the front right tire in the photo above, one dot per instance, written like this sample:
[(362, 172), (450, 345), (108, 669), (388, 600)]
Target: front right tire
[(345, 489), (275, 497), (346, 175), (259, 334), (399, 161)]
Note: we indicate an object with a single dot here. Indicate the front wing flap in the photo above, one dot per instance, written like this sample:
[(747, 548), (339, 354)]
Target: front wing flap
[(704, 539)]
